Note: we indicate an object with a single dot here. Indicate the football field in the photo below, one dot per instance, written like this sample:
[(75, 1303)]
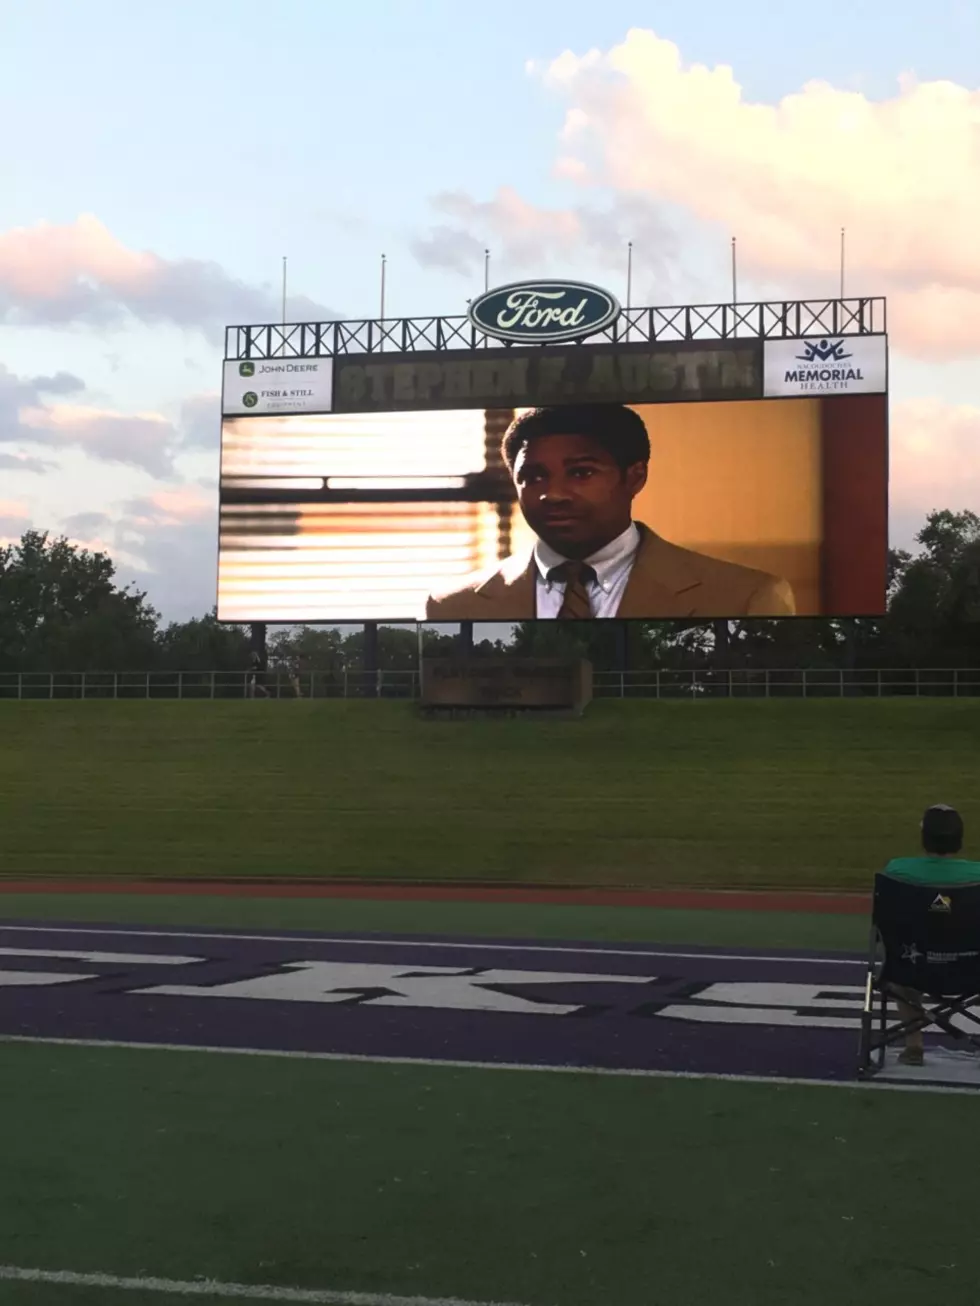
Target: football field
[(317, 1002), (540, 1105)]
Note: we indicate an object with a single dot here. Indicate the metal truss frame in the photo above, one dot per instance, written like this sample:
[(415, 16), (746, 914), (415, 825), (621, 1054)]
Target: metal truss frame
[(774, 320)]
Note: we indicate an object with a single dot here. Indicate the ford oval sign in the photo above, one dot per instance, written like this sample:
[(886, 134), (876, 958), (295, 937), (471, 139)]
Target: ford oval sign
[(540, 312)]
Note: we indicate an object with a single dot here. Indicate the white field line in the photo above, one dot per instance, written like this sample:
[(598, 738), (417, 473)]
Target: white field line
[(780, 1081), (234, 1291), (436, 944), (103, 958)]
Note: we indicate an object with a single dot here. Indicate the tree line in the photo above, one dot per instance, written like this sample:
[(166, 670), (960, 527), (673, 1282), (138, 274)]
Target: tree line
[(62, 608)]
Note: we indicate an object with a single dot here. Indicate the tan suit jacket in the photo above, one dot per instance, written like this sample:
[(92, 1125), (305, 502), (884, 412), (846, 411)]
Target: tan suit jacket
[(666, 581)]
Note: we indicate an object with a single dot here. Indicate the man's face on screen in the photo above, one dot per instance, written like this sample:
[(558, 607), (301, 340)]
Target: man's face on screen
[(573, 493)]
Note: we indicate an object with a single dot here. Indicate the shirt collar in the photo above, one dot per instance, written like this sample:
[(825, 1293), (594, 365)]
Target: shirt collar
[(606, 562)]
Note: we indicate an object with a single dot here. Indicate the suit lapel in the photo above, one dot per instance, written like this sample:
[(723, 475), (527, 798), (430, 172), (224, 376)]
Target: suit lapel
[(659, 583), (509, 594)]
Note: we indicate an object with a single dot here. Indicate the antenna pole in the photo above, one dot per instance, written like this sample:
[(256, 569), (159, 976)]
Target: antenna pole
[(734, 271)]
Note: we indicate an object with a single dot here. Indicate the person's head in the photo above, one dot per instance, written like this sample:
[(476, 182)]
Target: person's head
[(942, 831), (577, 469)]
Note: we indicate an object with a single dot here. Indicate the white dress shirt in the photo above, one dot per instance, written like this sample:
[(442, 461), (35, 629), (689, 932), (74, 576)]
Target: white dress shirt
[(612, 566)]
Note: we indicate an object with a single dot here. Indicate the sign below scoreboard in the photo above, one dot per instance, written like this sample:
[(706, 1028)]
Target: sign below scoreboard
[(277, 385)]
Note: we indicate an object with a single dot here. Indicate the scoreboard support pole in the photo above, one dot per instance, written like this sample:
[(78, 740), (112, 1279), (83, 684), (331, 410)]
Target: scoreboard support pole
[(371, 659), (257, 645), (258, 660), (622, 647), (466, 638)]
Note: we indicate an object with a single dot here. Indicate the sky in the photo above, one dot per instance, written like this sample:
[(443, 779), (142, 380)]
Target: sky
[(157, 163)]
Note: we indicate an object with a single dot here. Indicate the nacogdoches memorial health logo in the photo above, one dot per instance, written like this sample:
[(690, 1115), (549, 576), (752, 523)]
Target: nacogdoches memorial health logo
[(539, 312), (823, 351)]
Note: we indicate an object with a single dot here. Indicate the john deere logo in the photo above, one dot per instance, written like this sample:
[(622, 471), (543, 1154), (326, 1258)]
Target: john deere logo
[(246, 369), (250, 399), (537, 312), (941, 903)]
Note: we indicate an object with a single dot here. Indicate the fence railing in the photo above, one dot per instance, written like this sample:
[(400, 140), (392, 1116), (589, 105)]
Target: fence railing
[(912, 682)]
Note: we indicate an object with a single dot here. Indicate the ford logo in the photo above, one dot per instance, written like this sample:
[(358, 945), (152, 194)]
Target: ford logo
[(537, 312)]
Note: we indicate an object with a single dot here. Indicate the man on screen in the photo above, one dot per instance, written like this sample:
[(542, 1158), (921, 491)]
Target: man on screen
[(577, 469)]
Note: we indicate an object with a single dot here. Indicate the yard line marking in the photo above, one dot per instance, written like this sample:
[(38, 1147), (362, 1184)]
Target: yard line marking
[(215, 1288), (625, 1072), (428, 943)]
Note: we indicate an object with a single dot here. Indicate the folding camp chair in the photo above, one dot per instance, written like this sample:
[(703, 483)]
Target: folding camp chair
[(924, 937)]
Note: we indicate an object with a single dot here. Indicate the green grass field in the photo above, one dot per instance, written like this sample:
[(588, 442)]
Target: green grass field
[(794, 794), (475, 1185), (550, 1190), (517, 1186)]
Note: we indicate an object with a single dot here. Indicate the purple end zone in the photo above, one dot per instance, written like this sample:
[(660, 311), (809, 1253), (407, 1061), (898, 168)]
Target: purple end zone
[(623, 1007)]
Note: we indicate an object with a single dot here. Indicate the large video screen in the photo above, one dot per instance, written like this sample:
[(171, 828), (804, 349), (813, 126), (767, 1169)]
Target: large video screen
[(750, 508)]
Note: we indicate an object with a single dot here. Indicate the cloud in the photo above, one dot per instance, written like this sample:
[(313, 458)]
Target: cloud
[(87, 523), (900, 174), (171, 537), (143, 440), (164, 543), (22, 462), (525, 236), (15, 519), (200, 421), (448, 247), (147, 441), (176, 506), (934, 460), (80, 273), (17, 392)]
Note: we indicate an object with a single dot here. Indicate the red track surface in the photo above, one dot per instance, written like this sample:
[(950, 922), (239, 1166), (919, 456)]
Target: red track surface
[(682, 899)]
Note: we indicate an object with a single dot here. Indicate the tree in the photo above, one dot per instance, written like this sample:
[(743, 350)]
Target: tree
[(61, 610), (203, 644), (307, 648), (934, 610)]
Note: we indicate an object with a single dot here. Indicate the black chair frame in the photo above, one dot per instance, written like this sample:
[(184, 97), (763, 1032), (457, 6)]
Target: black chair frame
[(909, 932)]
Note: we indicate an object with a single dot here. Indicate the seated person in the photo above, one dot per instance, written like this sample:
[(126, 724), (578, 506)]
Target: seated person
[(942, 840)]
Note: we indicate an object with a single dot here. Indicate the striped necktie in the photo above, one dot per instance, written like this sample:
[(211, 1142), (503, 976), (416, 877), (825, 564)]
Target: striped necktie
[(575, 602)]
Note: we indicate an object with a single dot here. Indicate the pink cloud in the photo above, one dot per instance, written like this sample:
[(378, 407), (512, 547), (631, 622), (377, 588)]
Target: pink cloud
[(53, 274), (934, 456), (45, 262), (900, 174), (523, 236), (184, 503), (144, 440), (15, 519)]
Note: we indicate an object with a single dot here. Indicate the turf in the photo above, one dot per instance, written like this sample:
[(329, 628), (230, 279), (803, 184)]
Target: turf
[(778, 793), (822, 932), (547, 1189)]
